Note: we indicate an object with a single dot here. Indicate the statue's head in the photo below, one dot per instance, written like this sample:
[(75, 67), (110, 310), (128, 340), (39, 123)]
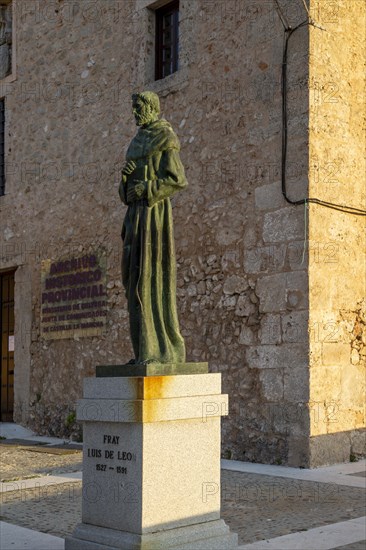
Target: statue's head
[(145, 107)]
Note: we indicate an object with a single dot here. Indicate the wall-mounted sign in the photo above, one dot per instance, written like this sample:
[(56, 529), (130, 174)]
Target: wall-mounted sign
[(73, 297)]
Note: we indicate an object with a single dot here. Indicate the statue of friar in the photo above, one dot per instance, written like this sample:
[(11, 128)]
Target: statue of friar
[(153, 172)]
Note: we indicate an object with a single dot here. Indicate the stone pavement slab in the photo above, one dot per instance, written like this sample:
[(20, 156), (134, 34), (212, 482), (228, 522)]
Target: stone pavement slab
[(13, 537), (339, 474), (11, 431), (321, 538), (34, 483)]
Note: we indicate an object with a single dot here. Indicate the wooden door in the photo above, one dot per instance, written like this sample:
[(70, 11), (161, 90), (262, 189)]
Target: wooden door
[(7, 345)]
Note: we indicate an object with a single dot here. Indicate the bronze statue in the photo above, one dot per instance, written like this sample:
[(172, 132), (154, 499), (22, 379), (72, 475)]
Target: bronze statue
[(153, 172)]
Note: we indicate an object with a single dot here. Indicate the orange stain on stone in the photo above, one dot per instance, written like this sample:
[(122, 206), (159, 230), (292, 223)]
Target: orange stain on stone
[(150, 389), (155, 387)]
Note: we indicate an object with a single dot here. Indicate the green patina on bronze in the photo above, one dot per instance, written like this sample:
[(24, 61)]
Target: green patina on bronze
[(152, 174), (151, 369)]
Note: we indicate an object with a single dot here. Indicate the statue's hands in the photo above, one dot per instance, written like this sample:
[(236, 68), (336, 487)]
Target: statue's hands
[(128, 168), (136, 191)]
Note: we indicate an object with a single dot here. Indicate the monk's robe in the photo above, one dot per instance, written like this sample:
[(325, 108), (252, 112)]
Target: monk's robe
[(148, 260)]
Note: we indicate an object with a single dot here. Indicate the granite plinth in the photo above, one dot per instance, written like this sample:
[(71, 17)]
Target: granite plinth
[(213, 535), (151, 369), (151, 463), (152, 387)]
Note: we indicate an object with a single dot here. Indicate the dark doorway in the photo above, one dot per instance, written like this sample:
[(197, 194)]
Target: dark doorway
[(7, 345)]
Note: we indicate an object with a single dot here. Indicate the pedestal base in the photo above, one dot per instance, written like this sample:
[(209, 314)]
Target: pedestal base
[(211, 535), (152, 369), (151, 463)]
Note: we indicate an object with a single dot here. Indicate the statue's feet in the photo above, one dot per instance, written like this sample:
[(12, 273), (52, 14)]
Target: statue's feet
[(146, 362), (149, 361)]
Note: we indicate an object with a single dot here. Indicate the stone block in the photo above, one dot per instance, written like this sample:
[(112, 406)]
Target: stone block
[(151, 410), (250, 236), (275, 357), (353, 386), (339, 417), (271, 291), (329, 416), (286, 224), (297, 280), (336, 354), (155, 474), (246, 336), (298, 184), (213, 535), (295, 327), (268, 197), (272, 384), (298, 452), (235, 285), (244, 306), (152, 387), (288, 418), (297, 290), (264, 259), (329, 449), (358, 442), (282, 291), (325, 383), (296, 257), (296, 384), (270, 331)]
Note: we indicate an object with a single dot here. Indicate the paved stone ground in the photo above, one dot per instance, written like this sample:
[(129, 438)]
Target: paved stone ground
[(260, 507), (20, 463), (55, 510), (255, 506)]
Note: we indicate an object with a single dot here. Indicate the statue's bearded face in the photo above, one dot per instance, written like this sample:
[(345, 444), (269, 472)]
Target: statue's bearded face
[(142, 112)]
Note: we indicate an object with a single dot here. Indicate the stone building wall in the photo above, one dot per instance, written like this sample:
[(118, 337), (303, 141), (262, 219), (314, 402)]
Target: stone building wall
[(6, 39), (337, 284), (242, 261)]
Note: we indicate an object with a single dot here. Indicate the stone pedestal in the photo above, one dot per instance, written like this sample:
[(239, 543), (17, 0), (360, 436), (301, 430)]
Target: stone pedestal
[(151, 466)]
